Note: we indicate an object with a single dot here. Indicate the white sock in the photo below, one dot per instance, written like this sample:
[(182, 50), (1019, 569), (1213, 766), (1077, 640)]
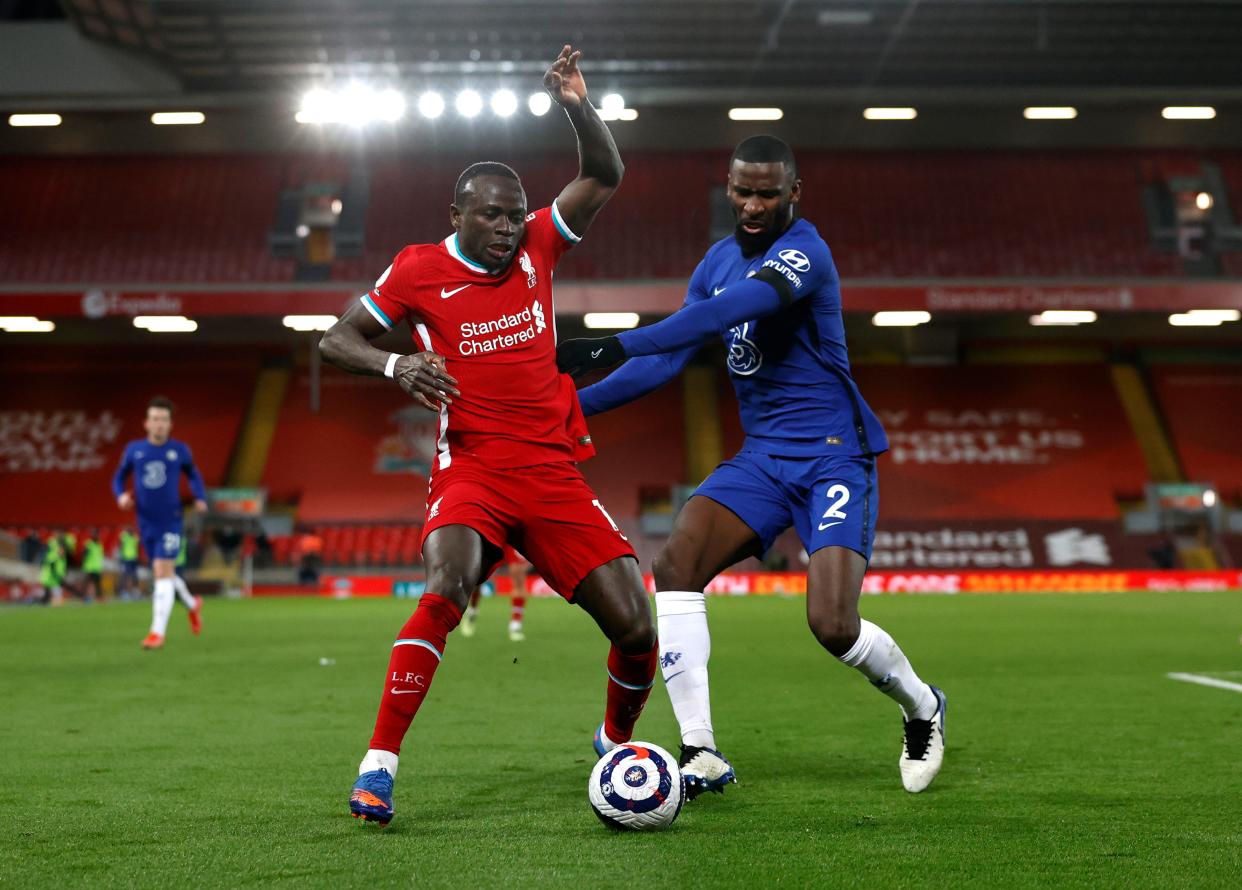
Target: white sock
[(685, 646), (161, 605), (608, 743), (377, 759), (183, 592), (878, 658)]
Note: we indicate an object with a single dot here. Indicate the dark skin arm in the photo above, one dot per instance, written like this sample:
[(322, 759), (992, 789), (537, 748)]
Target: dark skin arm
[(422, 376), (599, 163)]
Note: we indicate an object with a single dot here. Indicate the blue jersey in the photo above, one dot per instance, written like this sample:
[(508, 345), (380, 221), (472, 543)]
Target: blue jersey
[(790, 370), (157, 473), (786, 342)]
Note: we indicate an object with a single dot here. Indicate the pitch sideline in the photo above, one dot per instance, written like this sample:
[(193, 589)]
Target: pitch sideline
[(1205, 681)]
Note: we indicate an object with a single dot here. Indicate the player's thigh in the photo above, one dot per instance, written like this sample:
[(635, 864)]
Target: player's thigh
[(614, 595), (163, 567), (837, 526), (707, 538), (454, 558), (737, 512), (565, 531), (482, 501), (833, 586)]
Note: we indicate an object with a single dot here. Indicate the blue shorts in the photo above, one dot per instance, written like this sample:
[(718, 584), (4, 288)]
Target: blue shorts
[(830, 501), (161, 542)]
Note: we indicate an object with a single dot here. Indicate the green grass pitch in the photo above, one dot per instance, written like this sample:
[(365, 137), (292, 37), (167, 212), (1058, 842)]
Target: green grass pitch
[(226, 760)]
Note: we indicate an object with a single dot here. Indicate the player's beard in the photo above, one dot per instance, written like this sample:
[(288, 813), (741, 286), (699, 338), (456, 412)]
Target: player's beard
[(760, 242)]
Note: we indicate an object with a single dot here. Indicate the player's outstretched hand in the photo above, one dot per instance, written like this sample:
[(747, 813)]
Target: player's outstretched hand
[(125, 501), (563, 80), (576, 357), (424, 378)]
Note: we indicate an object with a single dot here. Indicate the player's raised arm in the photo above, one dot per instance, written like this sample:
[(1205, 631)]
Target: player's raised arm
[(599, 163), (422, 376)]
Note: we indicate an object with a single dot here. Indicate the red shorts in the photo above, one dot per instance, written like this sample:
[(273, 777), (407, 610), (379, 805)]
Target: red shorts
[(546, 512)]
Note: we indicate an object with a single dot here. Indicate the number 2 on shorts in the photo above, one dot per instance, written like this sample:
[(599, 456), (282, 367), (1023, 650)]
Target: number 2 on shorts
[(834, 511)]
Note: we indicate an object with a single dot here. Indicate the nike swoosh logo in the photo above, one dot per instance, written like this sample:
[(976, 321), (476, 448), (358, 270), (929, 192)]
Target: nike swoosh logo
[(445, 293), (824, 525), (717, 291), (396, 691), (674, 677), (596, 353)]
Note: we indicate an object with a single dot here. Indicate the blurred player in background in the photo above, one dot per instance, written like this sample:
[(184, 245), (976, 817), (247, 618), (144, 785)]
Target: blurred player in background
[(127, 555), (52, 571), (480, 303), (517, 566), (157, 464), (772, 292), (93, 566)]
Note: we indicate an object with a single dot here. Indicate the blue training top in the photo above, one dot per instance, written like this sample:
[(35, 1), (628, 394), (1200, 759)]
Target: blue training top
[(157, 473), (780, 316)]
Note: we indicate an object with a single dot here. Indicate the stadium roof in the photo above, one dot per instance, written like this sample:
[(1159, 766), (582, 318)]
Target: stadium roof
[(660, 51)]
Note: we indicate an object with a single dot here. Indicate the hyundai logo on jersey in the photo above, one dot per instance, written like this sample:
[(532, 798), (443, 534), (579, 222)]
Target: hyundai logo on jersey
[(796, 259)]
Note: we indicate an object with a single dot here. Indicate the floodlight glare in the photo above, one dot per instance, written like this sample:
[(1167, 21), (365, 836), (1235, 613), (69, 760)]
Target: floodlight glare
[(504, 103), (431, 105), (468, 103), (612, 103), (539, 103)]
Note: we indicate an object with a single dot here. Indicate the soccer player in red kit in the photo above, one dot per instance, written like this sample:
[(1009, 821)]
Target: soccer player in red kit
[(480, 306)]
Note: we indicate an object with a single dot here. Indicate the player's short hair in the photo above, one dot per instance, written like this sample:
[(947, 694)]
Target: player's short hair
[(482, 168), (162, 402), (765, 149)]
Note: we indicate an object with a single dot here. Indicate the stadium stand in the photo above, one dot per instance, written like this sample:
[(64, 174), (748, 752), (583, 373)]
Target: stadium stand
[(365, 454), (63, 429), (886, 215), (1194, 400), (997, 442)]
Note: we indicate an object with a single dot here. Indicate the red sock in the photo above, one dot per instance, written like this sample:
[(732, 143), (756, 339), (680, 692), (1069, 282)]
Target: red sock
[(629, 684), (415, 657), (519, 608)]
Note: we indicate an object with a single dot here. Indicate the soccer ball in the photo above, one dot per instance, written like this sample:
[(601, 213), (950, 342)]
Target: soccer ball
[(636, 787)]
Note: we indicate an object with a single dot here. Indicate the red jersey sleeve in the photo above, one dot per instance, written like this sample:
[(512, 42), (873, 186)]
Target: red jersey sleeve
[(392, 298), (548, 234)]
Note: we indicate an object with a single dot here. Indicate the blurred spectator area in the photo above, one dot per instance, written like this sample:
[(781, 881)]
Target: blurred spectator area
[(1200, 404), (206, 219), (62, 430)]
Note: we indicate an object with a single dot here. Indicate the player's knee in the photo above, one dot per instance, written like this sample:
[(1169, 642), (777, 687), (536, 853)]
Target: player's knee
[(836, 633), (638, 638), (639, 633), (672, 570), (451, 584)]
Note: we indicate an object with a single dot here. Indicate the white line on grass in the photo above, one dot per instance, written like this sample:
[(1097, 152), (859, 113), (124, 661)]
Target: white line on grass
[(1206, 681)]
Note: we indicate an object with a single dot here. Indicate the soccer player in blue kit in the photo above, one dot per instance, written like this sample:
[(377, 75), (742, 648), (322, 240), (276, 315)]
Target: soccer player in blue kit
[(157, 463), (772, 292)]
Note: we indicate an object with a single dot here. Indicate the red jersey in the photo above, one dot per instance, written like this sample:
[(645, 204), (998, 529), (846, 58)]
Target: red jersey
[(498, 336)]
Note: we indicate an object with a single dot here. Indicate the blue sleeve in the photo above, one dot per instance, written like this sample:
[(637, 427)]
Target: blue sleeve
[(191, 472), (642, 375), (794, 268), (124, 468)]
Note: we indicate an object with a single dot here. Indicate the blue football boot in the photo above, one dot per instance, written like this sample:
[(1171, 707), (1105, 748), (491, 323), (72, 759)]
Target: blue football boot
[(371, 798)]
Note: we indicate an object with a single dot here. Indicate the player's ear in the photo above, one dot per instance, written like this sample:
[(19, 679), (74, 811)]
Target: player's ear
[(455, 217), (795, 192)]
